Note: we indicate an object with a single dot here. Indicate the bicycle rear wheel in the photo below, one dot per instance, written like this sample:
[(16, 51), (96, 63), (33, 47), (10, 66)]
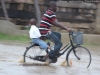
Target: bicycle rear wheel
[(31, 53), (79, 57)]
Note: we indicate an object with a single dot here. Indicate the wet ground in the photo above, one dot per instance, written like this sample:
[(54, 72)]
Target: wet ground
[(10, 63)]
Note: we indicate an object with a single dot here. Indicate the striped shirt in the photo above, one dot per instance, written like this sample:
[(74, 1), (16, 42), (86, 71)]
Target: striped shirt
[(46, 22)]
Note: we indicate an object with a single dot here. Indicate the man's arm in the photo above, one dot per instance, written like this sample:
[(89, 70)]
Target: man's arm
[(56, 23)]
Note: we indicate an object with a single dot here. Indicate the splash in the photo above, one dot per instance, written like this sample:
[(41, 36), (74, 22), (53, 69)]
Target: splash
[(64, 63), (21, 59)]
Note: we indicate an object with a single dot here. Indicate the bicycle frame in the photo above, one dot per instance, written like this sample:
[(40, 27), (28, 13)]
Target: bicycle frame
[(69, 46), (72, 47)]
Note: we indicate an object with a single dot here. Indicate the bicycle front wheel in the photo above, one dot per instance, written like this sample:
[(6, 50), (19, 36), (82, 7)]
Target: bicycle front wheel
[(31, 53), (79, 57)]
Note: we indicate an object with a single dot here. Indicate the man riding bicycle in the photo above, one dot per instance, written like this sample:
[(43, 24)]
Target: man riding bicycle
[(49, 19)]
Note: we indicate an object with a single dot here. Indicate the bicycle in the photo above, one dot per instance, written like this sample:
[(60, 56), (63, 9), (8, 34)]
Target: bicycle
[(77, 55)]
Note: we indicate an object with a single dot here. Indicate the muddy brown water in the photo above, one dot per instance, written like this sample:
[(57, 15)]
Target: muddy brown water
[(11, 64)]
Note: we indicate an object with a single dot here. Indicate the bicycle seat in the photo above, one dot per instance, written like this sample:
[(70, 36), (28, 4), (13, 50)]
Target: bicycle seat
[(44, 38), (35, 44)]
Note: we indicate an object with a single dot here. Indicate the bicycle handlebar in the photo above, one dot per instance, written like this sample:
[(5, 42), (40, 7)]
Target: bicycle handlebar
[(70, 33)]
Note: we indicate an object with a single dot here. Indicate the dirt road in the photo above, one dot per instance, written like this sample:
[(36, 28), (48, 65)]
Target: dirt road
[(10, 63)]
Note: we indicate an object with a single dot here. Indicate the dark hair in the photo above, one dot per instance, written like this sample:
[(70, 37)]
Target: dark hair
[(52, 4), (32, 21)]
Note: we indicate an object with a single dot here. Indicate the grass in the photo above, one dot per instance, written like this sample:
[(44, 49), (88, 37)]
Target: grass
[(14, 38), (24, 39)]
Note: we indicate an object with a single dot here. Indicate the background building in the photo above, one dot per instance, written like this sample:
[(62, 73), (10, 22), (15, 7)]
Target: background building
[(80, 15)]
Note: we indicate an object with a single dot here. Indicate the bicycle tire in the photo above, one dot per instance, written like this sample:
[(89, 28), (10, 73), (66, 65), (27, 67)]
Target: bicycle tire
[(74, 58), (32, 52)]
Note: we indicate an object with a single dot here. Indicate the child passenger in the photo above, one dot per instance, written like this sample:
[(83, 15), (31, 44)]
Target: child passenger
[(35, 35)]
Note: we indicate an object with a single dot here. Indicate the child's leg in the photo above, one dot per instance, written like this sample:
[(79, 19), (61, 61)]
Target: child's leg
[(41, 43)]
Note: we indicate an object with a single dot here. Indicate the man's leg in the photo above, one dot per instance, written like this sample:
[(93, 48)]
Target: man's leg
[(57, 41), (57, 34)]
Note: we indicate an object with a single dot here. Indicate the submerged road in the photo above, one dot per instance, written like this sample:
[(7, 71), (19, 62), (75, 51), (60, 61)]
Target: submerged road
[(10, 64)]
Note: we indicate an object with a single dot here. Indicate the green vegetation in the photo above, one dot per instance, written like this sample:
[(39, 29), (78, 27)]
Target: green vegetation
[(25, 39), (5, 37)]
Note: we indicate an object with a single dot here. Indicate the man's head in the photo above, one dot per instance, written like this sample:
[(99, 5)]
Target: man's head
[(53, 6), (32, 22)]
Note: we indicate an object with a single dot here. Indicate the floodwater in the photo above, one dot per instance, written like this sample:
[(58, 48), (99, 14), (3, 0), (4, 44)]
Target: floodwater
[(11, 64)]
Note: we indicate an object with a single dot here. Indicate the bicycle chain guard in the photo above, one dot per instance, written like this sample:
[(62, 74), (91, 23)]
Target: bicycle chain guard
[(53, 58), (39, 58)]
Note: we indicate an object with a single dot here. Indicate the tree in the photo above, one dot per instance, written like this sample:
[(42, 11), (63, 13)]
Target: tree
[(38, 14), (4, 10)]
